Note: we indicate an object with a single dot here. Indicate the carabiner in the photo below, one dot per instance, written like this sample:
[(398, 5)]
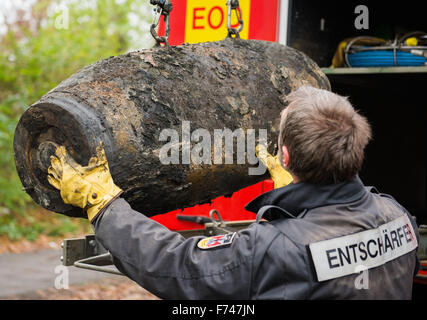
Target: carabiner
[(234, 5)]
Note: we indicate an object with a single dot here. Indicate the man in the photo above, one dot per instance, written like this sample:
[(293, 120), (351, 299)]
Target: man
[(326, 235)]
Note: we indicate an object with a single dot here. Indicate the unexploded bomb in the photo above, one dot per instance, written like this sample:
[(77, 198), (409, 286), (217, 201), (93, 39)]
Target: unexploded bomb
[(129, 100)]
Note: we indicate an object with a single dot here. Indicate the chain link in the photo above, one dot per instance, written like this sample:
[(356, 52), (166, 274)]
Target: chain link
[(163, 8)]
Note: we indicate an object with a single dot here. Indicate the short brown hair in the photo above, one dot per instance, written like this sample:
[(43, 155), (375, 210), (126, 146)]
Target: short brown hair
[(324, 135)]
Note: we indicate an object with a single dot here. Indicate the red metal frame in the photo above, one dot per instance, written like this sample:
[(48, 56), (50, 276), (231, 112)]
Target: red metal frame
[(230, 208), (421, 276)]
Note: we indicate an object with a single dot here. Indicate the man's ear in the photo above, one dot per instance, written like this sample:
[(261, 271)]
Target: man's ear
[(285, 156)]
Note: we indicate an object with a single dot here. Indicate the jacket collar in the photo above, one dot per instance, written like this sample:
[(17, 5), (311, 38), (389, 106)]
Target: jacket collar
[(302, 196)]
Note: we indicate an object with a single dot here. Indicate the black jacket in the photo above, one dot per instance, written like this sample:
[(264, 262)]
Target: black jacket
[(279, 259)]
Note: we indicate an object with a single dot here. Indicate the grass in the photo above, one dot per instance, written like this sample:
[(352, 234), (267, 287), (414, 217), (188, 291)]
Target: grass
[(37, 221)]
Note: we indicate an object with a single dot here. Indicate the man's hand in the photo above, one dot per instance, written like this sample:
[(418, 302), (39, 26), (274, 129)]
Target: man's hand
[(90, 187), (278, 174)]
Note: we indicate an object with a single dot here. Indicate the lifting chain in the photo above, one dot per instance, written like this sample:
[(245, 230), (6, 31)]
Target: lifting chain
[(163, 8), (233, 5)]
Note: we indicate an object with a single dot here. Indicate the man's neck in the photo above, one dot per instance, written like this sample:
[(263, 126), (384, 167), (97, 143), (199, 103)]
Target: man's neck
[(295, 179)]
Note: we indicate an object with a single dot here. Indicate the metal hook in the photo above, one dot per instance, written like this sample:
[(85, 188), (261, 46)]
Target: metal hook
[(234, 5), (217, 221)]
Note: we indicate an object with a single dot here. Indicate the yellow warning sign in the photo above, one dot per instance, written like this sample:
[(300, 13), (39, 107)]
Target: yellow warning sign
[(206, 20)]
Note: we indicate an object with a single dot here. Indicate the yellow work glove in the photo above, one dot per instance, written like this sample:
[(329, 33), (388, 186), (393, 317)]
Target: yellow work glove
[(278, 174), (90, 187)]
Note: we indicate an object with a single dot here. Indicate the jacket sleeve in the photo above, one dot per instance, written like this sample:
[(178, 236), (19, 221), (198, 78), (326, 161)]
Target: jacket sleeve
[(170, 266)]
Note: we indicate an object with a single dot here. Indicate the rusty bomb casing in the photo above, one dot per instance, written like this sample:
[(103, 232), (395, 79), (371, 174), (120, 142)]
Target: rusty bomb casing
[(126, 102)]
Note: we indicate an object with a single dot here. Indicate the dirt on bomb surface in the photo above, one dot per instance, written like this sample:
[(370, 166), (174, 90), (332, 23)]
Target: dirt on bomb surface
[(105, 289)]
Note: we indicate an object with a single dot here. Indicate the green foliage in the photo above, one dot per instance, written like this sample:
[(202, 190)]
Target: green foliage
[(30, 228), (36, 54), (11, 195)]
